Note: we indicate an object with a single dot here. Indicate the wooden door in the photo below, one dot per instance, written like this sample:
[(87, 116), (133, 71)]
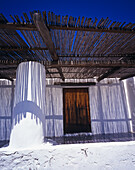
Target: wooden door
[(76, 110)]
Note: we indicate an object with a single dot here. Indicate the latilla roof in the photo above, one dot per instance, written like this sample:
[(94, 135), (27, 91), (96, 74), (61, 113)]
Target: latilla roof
[(68, 47)]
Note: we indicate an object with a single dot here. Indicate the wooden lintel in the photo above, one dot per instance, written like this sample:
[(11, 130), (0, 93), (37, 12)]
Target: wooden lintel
[(32, 27), (127, 76), (108, 73), (75, 84)]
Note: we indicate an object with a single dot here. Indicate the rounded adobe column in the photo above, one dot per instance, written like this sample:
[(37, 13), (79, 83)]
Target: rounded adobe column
[(29, 106)]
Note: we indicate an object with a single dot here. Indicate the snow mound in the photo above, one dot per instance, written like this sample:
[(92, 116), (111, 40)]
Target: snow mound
[(114, 155)]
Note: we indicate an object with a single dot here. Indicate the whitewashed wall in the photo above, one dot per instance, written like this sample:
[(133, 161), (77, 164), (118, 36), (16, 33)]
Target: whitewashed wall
[(54, 111), (6, 102), (108, 110)]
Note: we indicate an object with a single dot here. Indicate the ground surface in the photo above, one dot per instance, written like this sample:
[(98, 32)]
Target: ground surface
[(112, 156)]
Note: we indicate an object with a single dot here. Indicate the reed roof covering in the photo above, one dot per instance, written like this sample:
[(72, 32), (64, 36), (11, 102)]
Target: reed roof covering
[(70, 48)]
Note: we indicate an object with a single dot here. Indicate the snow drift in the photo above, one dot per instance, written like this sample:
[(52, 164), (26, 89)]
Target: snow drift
[(92, 156)]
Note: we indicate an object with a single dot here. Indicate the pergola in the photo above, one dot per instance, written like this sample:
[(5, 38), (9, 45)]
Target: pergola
[(69, 48)]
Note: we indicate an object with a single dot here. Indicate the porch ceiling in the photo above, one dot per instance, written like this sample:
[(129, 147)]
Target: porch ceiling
[(68, 47)]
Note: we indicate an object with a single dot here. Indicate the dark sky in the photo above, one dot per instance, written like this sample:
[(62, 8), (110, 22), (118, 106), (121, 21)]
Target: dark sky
[(116, 10)]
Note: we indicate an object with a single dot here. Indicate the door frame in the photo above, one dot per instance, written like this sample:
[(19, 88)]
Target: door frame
[(75, 87)]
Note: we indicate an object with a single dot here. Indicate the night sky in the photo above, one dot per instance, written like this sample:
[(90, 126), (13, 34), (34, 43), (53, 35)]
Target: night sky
[(116, 10)]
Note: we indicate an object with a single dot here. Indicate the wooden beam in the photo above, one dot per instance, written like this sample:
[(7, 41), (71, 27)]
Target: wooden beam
[(42, 28), (91, 29), (22, 49), (32, 27), (94, 65), (60, 72), (8, 68), (24, 26), (127, 76), (89, 64), (129, 56), (47, 72), (108, 73)]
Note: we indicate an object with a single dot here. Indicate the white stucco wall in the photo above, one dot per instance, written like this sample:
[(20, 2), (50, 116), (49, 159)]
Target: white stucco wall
[(108, 110), (6, 103), (54, 111)]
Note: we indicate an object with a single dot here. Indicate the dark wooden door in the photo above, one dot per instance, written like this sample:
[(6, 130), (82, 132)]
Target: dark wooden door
[(76, 110)]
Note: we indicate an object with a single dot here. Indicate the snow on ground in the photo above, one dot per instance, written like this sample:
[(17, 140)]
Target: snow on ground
[(112, 156)]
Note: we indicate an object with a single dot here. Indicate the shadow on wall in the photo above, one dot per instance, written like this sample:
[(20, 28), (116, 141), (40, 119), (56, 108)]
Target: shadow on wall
[(52, 118), (109, 113), (28, 107)]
